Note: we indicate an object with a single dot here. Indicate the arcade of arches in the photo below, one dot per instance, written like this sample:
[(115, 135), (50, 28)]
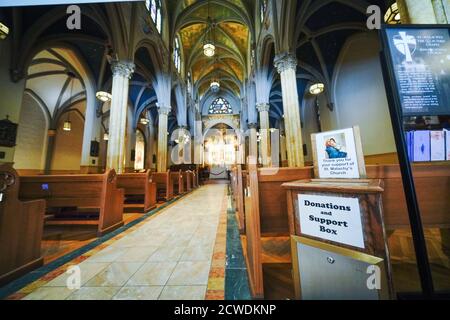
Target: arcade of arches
[(136, 89)]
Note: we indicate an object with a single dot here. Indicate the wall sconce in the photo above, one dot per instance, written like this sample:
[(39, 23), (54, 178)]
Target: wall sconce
[(103, 96), (67, 125), (144, 121), (4, 31)]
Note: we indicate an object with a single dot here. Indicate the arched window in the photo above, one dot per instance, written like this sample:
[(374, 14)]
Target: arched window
[(154, 7), (220, 106), (177, 55), (263, 9)]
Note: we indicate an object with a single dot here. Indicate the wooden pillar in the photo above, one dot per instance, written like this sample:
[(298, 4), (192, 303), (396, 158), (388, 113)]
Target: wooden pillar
[(162, 138), (263, 109), (122, 72), (286, 65)]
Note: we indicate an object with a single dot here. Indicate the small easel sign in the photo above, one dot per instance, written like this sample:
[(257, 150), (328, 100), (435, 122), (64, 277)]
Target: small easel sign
[(338, 154)]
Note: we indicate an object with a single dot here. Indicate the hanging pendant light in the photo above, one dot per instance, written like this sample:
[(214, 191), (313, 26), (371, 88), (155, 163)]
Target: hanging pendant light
[(67, 126), (215, 84), (106, 136), (317, 88), (209, 49), (4, 31)]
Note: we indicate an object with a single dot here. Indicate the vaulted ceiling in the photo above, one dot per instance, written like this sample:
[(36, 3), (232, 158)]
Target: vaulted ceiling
[(231, 32)]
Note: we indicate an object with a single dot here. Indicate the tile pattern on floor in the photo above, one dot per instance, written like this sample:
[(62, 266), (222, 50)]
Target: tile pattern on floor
[(172, 255)]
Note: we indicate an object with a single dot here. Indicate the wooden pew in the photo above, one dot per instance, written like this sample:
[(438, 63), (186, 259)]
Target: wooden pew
[(164, 185), (432, 183), (265, 206), (187, 181), (238, 180), (141, 185), (21, 227), (195, 178), (98, 191), (177, 181)]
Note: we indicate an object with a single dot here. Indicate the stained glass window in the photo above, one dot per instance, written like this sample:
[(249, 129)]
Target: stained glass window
[(154, 7), (177, 55), (220, 106)]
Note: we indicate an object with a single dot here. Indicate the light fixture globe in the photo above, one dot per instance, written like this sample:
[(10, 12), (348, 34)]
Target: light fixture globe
[(106, 136), (144, 121), (209, 49), (215, 86), (317, 89), (4, 31), (103, 96)]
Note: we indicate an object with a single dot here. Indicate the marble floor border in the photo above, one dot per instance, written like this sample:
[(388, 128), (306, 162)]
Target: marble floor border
[(236, 276), (28, 283), (216, 281)]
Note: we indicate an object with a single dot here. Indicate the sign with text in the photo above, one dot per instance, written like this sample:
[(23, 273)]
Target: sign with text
[(335, 219), (421, 67), (18, 3), (338, 155)]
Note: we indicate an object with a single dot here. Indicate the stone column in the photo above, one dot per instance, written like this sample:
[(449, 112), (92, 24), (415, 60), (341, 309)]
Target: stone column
[(263, 109), (286, 65), (253, 144), (424, 11), (122, 72), (51, 136), (162, 138)]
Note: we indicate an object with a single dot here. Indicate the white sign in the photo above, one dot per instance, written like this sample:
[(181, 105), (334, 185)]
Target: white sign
[(17, 3), (336, 154), (331, 218)]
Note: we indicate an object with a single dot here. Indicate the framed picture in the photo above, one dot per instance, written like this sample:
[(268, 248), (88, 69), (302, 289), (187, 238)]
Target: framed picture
[(338, 154), (8, 133)]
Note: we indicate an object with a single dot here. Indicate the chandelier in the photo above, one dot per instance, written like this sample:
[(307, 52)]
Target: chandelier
[(209, 49), (215, 85)]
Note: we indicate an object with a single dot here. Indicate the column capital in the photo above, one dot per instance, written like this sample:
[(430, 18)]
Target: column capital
[(252, 126), (285, 61), (263, 107), (163, 110), (122, 68)]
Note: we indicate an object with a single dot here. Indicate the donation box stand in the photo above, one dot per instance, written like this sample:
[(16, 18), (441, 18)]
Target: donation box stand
[(339, 247)]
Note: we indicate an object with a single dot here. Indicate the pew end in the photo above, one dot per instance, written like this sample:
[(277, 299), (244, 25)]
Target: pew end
[(21, 229)]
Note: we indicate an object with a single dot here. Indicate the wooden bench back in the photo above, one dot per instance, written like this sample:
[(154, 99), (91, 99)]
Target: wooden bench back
[(164, 184), (139, 184), (68, 190), (134, 183), (177, 180), (91, 190), (432, 183), (21, 228), (272, 198)]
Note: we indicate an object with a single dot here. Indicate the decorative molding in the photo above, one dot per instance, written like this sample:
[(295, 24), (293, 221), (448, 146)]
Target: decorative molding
[(285, 61), (253, 126), (263, 107), (123, 68), (164, 110)]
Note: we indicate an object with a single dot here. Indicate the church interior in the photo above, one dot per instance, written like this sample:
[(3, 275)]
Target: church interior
[(137, 139)]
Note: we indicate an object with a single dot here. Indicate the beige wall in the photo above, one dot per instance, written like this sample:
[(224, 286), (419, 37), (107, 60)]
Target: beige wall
[(31, 136), (68, 144), (10, 93), (359, 95)]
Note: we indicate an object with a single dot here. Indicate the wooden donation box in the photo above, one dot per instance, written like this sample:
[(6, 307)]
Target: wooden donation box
[(338, 240)]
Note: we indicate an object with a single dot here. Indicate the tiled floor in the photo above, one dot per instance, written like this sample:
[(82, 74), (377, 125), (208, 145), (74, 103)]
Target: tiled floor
[(166, 257)]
